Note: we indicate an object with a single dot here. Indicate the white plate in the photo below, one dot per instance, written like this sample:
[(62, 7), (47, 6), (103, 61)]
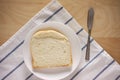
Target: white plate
[(58, 73)]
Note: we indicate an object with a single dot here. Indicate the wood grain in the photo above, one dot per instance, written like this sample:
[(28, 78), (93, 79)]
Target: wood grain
[(106, 30)]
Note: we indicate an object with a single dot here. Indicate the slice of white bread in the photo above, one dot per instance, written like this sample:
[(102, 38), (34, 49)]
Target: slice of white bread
[(50, 48)]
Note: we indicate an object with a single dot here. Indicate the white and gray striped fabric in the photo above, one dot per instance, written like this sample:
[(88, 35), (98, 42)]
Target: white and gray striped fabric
[(100, 67)]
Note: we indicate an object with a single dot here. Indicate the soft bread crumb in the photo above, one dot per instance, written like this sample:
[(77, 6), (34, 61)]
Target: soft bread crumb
[(50, 48)]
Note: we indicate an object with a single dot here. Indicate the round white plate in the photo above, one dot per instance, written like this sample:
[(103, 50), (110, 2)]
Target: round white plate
[(58, 73)]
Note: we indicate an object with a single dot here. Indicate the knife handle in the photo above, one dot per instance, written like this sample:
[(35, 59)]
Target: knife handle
[(88, 48)]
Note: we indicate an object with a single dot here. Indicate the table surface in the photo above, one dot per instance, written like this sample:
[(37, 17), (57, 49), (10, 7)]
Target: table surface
[(106, 29)]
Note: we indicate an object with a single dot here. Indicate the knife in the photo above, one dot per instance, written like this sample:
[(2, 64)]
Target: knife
[(90, 18)]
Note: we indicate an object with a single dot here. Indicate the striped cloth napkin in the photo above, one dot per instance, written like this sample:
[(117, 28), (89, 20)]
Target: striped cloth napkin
[(101, 66)]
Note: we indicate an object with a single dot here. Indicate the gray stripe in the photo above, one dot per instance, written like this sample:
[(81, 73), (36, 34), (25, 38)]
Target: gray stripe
[(53, 14), (118, 77), (11, 51), (86, 44), (79, 31), (103, 70), (29, 76), (12, 70), (87, 64), (68, 21)]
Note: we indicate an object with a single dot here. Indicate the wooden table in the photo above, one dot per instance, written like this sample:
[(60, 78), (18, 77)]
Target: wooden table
[(106, 31)]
